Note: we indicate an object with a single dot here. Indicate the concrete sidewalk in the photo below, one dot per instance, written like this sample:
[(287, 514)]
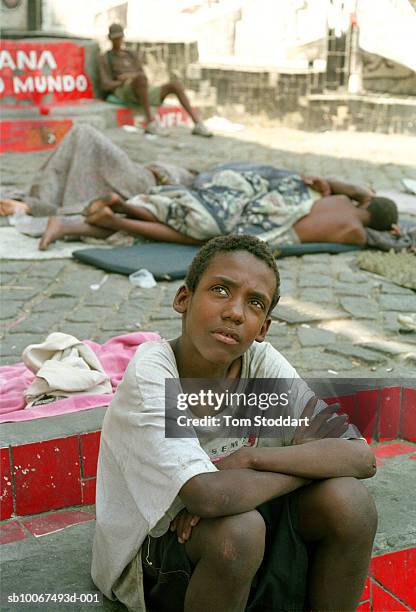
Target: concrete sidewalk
[(333, 320), (332, 316)]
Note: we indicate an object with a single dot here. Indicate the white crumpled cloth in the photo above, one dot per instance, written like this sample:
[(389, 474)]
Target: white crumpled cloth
[(63, 366)]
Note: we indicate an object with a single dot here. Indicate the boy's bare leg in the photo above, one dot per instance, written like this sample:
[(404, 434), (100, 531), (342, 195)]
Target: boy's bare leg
[(339, 516), (118, 205), (226, 553), (176, 88), (153, 230), (59, 227), (133, 211), (10, 207), (140, 86)]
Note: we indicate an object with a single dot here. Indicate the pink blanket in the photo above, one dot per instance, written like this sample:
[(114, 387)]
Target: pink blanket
[(114, 356)]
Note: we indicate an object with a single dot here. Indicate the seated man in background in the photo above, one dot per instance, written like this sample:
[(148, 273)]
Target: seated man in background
[(122, 74)]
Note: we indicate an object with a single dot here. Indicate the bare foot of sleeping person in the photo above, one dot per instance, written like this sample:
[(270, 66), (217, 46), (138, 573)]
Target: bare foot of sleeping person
[(10, 207), (59, 227), (54, 231), (113, 200)]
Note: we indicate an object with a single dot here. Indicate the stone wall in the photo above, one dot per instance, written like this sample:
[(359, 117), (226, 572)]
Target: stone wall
[(300, 100), (166, 60), (366, 113), (14, 18), (262, 91), (383, 75)]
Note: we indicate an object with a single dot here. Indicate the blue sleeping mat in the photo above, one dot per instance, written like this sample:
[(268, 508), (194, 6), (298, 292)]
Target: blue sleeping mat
[(168, 261)]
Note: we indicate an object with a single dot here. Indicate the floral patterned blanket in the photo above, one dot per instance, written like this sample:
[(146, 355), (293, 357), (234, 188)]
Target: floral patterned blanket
[(236, 198)]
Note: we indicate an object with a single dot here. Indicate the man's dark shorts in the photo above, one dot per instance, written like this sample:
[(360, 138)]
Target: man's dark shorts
[(126, 94), (280, 582)]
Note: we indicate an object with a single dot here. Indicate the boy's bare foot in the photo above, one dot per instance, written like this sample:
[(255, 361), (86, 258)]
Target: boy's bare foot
[(54, 230), (103, 217), (161, 175), (113, 200), (10, 207)]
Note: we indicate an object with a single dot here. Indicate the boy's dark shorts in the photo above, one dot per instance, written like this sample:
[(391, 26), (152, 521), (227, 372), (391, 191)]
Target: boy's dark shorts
[(279, 584)]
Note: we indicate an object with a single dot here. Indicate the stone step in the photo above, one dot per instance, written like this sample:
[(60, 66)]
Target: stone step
[(31, 128), (52, 551), (57, 562), (34, 128)]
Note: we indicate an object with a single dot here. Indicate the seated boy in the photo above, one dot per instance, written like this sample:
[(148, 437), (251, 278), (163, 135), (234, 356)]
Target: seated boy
[(265, 528), (120, 72)]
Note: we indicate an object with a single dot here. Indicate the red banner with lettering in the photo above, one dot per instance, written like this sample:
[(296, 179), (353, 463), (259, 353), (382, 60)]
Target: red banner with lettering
[(42, 72)]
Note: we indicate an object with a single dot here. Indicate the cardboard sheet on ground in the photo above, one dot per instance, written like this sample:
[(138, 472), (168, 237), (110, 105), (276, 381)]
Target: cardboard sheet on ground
[(167, 261)]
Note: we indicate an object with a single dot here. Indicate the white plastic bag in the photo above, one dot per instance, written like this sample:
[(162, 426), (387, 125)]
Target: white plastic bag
[(142, 278)]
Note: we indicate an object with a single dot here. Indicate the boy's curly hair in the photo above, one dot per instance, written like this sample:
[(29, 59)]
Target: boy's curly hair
[(225, 244), (383, 213)]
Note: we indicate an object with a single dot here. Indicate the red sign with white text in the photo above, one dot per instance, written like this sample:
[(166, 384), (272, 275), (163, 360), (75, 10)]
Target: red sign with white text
[(42, 72)]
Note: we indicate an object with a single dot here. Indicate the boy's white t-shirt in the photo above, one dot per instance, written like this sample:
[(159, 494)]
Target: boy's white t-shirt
[(140, 472)]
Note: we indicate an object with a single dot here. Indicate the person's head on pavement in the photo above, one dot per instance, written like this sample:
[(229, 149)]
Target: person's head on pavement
[(116, 35), (383, 213)]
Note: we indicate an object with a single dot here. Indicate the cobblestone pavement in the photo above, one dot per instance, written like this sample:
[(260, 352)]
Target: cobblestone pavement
[(333, 318)]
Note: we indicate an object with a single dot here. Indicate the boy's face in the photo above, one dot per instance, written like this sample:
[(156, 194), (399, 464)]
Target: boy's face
[(229, 308), (117, 43)]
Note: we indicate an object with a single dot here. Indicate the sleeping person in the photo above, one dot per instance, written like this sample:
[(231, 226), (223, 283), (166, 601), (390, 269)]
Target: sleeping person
[(168, 203), (277, 206)]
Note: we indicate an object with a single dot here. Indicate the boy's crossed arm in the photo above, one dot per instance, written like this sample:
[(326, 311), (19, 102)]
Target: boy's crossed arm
[(318, 459), (317, 450), (228, 492), (251, 476)]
